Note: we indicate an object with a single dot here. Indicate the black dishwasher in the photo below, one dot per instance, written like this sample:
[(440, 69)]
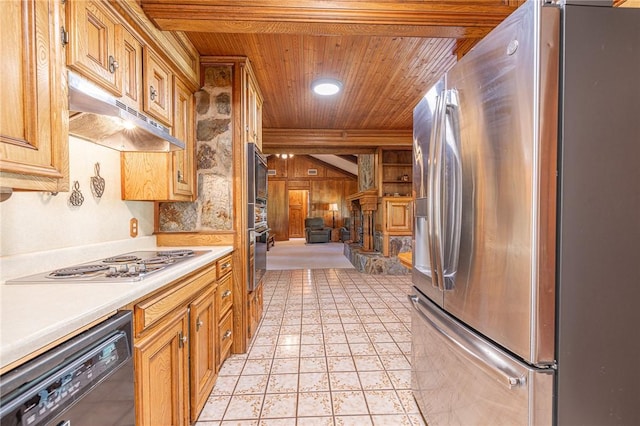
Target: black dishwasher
[(87, 380)]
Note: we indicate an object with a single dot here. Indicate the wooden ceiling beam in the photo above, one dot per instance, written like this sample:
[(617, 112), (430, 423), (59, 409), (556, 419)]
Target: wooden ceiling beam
[(462, 19), (318, 139)]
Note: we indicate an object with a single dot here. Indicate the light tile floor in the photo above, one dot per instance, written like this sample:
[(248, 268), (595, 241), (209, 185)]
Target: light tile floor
[(333, 348)]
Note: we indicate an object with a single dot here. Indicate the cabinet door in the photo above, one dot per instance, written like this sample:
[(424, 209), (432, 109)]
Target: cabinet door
[(398, 216), (131, 68), (33, 112), (258, 122), (183, 170), (94, 44), (158, 84), (161, 368), (251, 110), (203, 343)]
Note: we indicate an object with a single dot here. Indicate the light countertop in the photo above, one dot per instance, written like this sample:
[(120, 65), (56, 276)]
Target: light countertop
[(34, 315)]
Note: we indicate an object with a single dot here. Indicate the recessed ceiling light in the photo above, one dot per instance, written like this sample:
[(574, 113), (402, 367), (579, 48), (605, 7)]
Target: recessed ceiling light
[(326, 86)]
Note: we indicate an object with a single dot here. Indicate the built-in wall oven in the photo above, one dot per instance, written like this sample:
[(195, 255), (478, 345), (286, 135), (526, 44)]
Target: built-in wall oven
[(258, 230), (87, 380)]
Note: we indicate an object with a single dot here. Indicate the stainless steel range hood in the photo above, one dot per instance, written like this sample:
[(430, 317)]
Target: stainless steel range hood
[(99, 117)]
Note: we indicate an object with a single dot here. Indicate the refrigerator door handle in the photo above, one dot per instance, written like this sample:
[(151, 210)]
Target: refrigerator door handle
[(483, 355), (435, 204), (453, 190)]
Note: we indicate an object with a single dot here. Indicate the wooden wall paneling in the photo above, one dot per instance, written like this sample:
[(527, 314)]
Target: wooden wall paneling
[(324, 192), (298, 184), (299, 168), (277, 164), (278, 209), (349, 187)]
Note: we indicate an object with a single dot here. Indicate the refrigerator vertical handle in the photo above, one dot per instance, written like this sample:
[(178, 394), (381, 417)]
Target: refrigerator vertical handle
[(452, 193), (489, 359), (435, 192), (431, 189)]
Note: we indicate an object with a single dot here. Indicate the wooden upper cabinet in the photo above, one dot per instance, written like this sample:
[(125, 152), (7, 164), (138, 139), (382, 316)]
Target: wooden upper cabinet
[(183, 129), (34, 110), (158, 84), (95, 44), (253, 110), (131, 69), (164, 176)]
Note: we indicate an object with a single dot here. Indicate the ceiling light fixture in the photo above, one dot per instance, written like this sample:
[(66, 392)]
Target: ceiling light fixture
[(326, 86)]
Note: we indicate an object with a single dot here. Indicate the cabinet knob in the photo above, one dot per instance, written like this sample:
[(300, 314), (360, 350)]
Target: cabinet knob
[(153, 93), (182, 339), (226, 335), (180, 177), (198, 324), (113, 64), (226, 294)]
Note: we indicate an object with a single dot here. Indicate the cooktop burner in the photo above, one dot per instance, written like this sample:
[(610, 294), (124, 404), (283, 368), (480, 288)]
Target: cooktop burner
[(128, 267)]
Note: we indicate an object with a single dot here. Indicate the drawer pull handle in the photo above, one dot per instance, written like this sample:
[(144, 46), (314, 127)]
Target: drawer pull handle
[(226, 335), (198, 324), (182, 340), (153, 93), (226, 265), (226, 294)]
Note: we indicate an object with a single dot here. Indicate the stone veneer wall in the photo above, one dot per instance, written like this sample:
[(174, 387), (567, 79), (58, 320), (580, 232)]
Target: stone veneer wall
[(213, 209), (366, 172), (373, 262)]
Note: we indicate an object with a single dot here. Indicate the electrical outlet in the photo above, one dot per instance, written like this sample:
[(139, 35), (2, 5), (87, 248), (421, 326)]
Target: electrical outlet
[(133, 227)]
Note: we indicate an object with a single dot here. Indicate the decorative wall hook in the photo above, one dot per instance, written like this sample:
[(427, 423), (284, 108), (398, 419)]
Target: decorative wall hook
[(97, 182), (76, 198)]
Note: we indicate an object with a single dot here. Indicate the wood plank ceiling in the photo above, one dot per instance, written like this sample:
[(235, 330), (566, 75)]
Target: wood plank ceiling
[(387, 54)]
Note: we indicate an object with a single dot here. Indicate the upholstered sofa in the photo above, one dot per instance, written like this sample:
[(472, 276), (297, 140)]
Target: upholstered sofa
[(315, 231)]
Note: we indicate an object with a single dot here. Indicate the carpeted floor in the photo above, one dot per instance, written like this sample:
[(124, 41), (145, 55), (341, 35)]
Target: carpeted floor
[(296, 254)]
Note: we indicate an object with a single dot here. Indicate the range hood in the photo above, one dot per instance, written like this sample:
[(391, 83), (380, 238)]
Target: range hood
[(99, 117)]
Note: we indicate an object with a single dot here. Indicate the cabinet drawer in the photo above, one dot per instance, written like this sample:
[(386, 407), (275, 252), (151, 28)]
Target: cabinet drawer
[(157, 306), (224, 266), (224, 295), (225, 334)]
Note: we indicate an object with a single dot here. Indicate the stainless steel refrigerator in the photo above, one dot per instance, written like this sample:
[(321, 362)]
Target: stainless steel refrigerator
[(526, 275)]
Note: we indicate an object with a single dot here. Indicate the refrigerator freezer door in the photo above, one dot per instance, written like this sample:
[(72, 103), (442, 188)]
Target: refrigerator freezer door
[(459, 378), (502, 281)]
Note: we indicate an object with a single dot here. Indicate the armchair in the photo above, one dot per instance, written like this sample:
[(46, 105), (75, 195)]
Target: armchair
[(315, 231), (345, 230)]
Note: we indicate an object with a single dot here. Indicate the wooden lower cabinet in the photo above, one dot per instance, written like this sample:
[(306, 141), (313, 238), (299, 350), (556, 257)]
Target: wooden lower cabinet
[(203, 362), (162, 369), (255, 309), (183, 334)]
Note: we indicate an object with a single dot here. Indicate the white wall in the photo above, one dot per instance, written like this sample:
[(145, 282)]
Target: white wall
[(37, 221)]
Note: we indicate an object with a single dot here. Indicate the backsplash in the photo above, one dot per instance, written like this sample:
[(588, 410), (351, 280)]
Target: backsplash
[(214, 207), (39, 221)]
